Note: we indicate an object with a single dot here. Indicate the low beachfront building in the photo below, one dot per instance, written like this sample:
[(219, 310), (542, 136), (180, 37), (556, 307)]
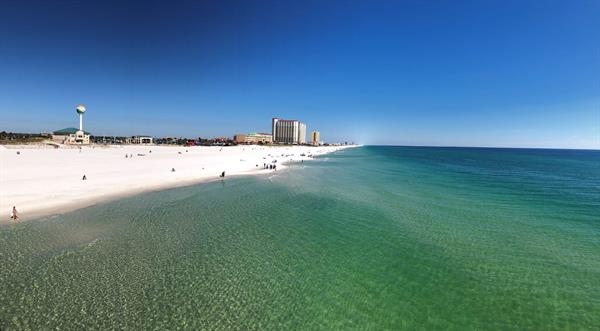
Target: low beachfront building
[(71, 136), (240, 138), (142, 140), (253, 138)]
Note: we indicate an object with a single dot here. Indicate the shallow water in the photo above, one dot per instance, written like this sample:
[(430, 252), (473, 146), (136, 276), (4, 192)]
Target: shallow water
[(368, 238)]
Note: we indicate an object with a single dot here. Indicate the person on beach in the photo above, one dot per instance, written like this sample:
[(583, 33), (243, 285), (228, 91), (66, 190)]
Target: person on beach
[(222, 174), (14, 215), (172, 169), (84, 177)]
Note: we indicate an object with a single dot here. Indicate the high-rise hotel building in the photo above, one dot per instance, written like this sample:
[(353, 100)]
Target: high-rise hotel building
[(315, 137), (288, 131)]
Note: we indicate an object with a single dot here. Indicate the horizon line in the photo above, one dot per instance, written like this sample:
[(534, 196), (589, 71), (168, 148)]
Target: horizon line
[(497, 147)]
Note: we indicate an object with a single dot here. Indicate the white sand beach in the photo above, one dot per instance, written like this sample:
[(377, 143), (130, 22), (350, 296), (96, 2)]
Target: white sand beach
[(45, 181)]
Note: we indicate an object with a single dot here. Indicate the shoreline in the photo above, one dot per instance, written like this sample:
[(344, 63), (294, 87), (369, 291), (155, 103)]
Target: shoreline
[(48, 212), (46, 182)]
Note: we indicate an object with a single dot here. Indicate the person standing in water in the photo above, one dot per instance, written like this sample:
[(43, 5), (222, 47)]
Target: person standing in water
[(14, 215)]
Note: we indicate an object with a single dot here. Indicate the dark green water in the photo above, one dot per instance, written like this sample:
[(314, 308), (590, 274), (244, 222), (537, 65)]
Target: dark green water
[(370, 238)]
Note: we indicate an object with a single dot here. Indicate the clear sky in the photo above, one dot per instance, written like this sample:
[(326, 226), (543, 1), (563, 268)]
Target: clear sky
[(477, 73)]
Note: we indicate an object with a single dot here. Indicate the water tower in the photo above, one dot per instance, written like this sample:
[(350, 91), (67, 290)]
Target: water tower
[(80, 110), (80, 135)]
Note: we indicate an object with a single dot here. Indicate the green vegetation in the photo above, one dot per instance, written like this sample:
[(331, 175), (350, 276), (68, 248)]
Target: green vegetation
[(21, 138)]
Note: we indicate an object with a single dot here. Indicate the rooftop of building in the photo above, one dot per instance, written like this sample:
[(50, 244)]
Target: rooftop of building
[(282, 120), (258, 134), (67, 131)]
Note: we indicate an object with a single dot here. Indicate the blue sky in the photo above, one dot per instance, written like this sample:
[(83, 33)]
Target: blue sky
[(476, 73)]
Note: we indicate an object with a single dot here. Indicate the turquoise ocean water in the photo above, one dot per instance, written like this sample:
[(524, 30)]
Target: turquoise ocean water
[(371, 238)]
